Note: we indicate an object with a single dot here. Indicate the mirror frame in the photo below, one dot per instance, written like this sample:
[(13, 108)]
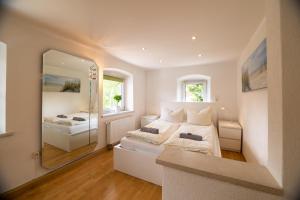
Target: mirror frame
[(83, 155)]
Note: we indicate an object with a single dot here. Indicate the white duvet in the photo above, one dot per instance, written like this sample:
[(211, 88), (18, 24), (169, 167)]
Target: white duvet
[(209, 144), (69, 120), (166, 129)]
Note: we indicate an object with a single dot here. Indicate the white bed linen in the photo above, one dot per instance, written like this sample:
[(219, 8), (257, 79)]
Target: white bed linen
[(140, 146), (68, 121), (166, 129), (210, 144), (72, 129)]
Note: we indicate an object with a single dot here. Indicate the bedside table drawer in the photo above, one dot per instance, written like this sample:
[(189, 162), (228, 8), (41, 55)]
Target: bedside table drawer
[(229, 144), (230, 133)]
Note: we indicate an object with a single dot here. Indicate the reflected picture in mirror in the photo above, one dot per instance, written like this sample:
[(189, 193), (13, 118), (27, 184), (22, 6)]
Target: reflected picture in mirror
[(69, 108), (56, 83)]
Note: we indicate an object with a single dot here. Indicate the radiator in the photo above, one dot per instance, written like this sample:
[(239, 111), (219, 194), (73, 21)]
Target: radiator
[(117, 129)]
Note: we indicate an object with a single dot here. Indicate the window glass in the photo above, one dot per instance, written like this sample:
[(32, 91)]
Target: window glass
[(113, 94), (194, 92), (194, 88)]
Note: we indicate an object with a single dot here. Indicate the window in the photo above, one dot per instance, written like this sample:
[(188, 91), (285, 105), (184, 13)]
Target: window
[(117, 91), (113, 94), (195, 91), (193, 88), (2, 87)]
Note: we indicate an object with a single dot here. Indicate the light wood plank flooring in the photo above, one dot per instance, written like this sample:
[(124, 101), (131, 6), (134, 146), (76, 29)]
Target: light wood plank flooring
[(233, 155), (95, 179)]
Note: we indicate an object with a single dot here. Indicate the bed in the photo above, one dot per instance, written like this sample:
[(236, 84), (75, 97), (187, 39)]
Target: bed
[(137, 157), (67, 134)]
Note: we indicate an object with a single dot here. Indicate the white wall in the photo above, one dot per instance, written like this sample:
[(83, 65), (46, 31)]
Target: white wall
[(253, 108), (283, 47), (25, 47), (274, 53), (162, 85), (55, 103)]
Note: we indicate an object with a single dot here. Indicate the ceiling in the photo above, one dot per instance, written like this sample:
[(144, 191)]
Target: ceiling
[(163, 27)]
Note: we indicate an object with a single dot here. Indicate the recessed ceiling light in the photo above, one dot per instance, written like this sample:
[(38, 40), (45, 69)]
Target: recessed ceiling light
[(143, 49), (199, 55), (160, 61), (62, 63), (194, 37)]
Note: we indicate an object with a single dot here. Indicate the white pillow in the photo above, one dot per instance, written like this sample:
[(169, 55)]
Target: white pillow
[(203, 118), (175, 116)]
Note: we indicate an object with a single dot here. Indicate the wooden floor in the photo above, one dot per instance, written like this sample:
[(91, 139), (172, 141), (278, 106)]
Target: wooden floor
[(53, 157), (233, 155), (95, 179)]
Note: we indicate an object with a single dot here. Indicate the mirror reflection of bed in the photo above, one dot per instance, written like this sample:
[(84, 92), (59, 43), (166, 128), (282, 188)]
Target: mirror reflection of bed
[(70, 111)]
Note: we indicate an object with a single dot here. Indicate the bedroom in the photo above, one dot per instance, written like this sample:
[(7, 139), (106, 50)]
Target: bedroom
[(191, 56)]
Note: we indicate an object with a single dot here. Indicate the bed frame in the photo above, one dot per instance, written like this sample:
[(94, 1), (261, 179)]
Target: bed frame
[(68, 142), (143, 164), (138, 164)]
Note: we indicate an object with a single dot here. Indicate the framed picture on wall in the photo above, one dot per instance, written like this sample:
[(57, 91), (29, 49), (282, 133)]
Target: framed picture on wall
[(254, 70)]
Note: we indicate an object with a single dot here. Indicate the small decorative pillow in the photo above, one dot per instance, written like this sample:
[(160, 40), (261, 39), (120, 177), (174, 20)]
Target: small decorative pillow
[(80, 119), (203, 118), (175, 116), (150, 130)]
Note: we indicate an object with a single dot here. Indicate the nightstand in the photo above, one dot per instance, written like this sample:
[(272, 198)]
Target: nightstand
[(145, 120), (230, 135)]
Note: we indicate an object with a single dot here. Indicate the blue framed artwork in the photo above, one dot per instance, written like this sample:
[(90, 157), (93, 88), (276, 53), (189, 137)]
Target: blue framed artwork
[(254, 70)]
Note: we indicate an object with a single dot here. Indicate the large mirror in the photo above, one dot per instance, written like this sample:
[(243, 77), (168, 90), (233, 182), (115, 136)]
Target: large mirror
[(69, 108)]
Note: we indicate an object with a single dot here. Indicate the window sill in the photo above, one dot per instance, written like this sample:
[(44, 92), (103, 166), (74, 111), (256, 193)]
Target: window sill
[(6, 134), (117, 114), (197, 102)]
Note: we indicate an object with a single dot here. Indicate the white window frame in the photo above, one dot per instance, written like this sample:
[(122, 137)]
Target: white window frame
[(200, 81), (3, 68), (128, 90), (123, 96)]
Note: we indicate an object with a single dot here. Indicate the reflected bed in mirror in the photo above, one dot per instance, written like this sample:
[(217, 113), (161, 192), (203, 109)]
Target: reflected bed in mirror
[(69, 108)]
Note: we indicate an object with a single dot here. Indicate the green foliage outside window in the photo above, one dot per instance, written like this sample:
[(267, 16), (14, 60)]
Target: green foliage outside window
[(111, 89), (194, 92), (118, 98)]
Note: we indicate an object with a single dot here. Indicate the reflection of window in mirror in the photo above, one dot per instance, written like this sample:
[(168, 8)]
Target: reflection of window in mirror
[(2, 87)]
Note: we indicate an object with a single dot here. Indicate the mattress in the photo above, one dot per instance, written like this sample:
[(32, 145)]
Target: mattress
[(135, 144), (71, 129), (209, 145), (166, 129), (139, 145)]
